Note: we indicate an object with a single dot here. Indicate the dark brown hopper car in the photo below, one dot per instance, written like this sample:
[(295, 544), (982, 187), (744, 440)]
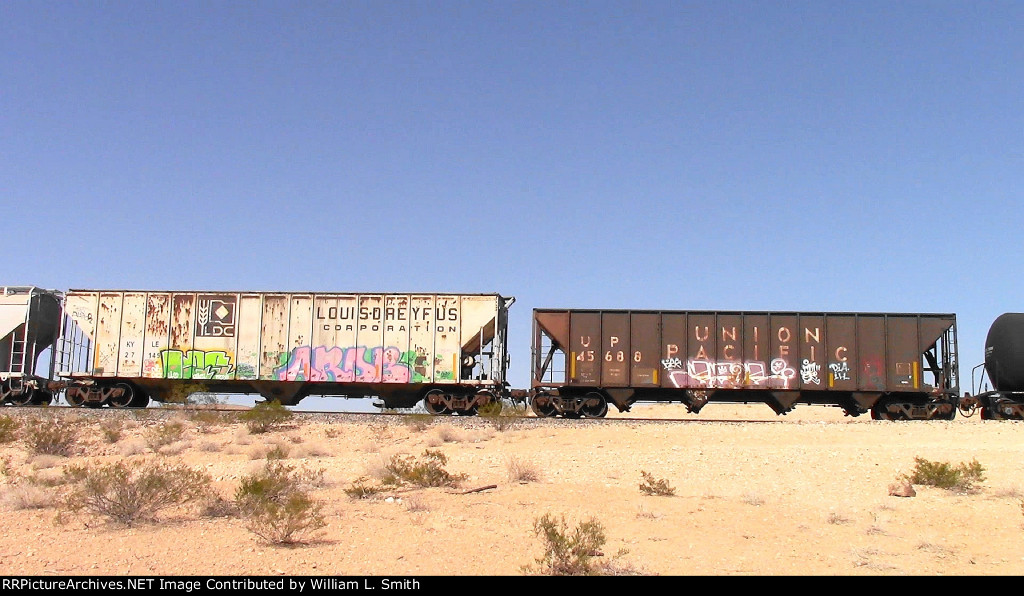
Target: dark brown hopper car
[(897, 366)]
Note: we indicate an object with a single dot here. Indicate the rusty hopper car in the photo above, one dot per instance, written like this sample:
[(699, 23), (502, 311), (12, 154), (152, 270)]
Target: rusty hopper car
[(124, 347), (897, 366), (29, 323)]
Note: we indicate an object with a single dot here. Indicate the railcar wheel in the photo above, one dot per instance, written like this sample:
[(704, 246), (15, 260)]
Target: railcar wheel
[(547, 410), (141, 400), (991, 410), (125, 399), (75, 397), (43, 397), (596, 406), (22, 399), (438, 409)]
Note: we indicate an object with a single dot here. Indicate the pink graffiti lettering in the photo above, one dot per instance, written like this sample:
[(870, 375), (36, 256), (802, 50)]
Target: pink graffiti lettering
[(344, 365)]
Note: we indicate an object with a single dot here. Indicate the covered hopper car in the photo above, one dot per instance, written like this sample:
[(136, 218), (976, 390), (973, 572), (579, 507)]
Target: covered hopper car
[(122, 348)]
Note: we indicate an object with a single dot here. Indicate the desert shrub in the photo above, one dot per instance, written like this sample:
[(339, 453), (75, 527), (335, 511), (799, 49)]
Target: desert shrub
[(164, 434), (126, 493), (51, 435), (419, 422), (522, 471), (962, 477), (569, 551), (501, 415), (265, 417), (426, 472), (276, 505), (188, 394), (659, 487), (8, 429), (112, 430), (361, 488), (27, 496)]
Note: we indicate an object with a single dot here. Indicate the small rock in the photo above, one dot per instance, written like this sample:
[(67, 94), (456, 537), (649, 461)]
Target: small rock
[(902, 488)]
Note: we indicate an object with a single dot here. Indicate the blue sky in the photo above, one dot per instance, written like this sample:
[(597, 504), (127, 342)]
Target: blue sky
[(825, 156)]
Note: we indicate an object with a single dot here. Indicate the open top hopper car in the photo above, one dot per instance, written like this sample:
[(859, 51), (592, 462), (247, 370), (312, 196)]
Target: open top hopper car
[(897, 366)]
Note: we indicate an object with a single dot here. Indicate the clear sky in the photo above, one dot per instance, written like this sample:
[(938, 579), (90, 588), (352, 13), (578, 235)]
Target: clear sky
[(802, 155)]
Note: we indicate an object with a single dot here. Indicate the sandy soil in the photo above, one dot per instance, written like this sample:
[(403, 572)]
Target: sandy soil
[(803, 494)]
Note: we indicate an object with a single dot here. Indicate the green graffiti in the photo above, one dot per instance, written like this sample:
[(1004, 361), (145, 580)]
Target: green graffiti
[(246, 371), (195, 364)]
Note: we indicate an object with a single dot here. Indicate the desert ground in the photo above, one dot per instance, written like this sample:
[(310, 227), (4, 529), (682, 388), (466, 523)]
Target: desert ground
[(755, 494)]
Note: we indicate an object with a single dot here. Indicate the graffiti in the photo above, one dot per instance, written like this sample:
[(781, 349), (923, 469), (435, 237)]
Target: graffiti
[(729, 374), (195, 364), (334, 364), (809, 372), (840, 371)]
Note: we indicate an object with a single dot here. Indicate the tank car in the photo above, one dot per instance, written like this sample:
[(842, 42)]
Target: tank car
[(29, 325), (895, 366), (1004, 367), (447, 351)]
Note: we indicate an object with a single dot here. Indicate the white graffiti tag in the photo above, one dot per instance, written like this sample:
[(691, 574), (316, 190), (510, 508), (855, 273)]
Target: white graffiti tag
[(840, 370), (809, 372)]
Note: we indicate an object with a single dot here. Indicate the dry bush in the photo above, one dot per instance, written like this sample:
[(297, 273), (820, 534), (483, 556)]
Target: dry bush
[(501, 415), (753, 499), (135, 446), (522, 471), (165, 434), (659, 487), (276, 505), (265, 417), (8, 429), (426, 472), (418, 422), (126, 492), (51, 435), (362, 488), (448, 434), (415, 504), (112, 430), (573, 551), (961, 478), (27, 496)]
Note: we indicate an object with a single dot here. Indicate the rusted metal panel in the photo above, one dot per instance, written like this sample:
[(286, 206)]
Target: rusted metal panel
[(396, 339), (784, 352), (615, 338), (157, 335), (812, 352), (756, 365), (248, 340), (584, 348), (108, 334), (421, 338), (644, 349), (674, 350), (276, 360), (871, 353), (446, 340), (903, 367), (841, 333), (133, 329)]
